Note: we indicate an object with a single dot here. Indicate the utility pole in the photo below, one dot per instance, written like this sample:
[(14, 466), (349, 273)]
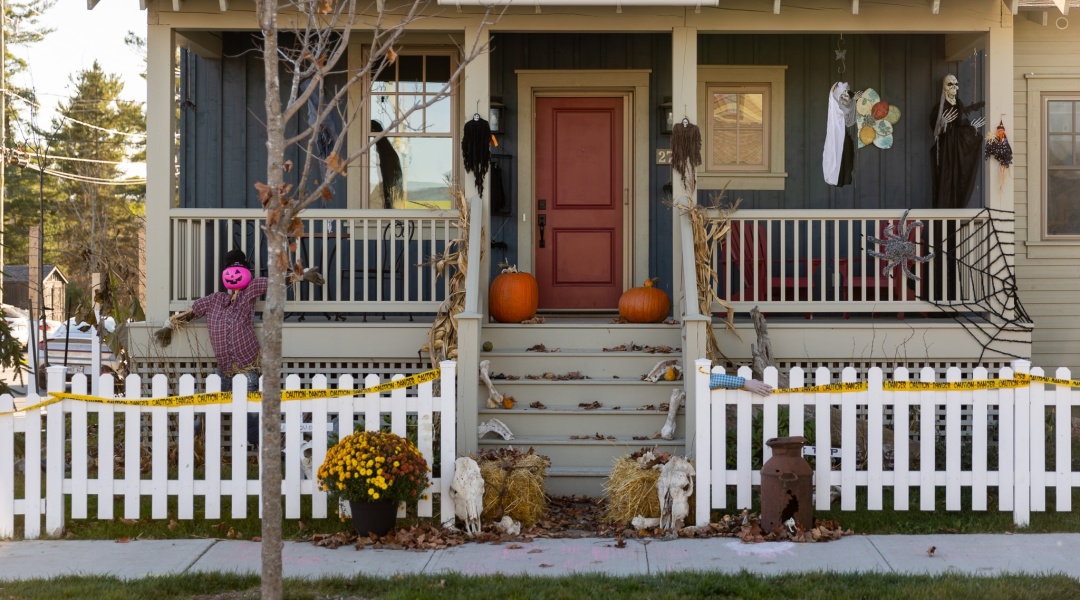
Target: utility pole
[(3, 132)]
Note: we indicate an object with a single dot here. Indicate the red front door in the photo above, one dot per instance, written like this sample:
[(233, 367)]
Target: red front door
[(579, 202)]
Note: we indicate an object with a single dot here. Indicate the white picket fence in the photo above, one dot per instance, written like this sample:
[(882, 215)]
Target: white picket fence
[(63, 462), (1020, 478)]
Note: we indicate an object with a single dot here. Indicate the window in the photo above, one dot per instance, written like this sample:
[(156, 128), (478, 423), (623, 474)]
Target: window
[(742, 123), (737, 128), (1062, 152), (412, 165)]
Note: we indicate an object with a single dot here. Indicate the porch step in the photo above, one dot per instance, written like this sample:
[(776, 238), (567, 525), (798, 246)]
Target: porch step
[(577, 481), (627, 394), (622, 364), (579, 333), (573, 420)]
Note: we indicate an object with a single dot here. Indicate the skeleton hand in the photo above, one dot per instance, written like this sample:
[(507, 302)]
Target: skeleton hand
[(758, 387), (950, 115), (978, 123)]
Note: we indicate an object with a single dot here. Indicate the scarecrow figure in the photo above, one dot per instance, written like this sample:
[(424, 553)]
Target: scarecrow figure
[(230, 320), (957, 148)]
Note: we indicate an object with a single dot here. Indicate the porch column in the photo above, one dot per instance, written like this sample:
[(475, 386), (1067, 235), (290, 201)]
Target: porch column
[(1000, 107), (160, 125), (683, 103), (477, 86)]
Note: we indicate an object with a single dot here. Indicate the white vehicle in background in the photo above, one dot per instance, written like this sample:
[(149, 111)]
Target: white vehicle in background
[(19, 323), (71, 345)]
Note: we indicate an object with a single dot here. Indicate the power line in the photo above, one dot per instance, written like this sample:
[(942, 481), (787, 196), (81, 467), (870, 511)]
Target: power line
[(83, 178), (64, 117)]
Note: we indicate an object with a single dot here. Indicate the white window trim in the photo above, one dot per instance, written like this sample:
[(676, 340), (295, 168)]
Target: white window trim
[(748, 75), (358, 171), (1039, 85)]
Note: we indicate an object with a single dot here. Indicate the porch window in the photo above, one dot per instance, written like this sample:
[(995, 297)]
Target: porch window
[(742, 121), (1062, 189), (738, 128), (412, 165)]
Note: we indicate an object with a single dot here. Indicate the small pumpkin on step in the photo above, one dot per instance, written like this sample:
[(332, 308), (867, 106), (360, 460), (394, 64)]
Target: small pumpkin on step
[(646, 304)]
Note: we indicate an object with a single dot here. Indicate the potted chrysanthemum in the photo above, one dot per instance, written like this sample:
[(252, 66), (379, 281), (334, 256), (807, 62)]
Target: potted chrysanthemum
[(373, 471)]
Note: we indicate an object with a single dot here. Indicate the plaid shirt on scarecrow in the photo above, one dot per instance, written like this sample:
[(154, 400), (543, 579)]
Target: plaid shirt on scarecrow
[(230, 321)]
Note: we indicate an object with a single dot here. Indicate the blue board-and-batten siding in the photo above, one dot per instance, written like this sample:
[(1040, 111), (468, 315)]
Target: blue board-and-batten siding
[(222, 125), (220, 169)]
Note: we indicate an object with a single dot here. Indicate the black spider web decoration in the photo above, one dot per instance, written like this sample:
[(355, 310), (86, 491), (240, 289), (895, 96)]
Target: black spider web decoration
[(982, 296)]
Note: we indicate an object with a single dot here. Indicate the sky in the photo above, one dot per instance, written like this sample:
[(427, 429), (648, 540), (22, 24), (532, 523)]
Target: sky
[(82, 36)]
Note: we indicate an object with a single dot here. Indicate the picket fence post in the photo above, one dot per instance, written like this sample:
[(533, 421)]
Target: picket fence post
[(7, 466), (1022, 448), (703, 438)]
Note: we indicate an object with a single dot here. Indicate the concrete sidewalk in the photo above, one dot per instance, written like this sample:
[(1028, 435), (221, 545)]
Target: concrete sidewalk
[(975, 554)]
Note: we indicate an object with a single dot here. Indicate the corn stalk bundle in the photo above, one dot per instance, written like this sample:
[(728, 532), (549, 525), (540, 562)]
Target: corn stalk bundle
[(708, 232), (443, 335)]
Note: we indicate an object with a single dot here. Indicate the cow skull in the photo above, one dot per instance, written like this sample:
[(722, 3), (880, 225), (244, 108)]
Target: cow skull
[(467, 493), (675, 486)]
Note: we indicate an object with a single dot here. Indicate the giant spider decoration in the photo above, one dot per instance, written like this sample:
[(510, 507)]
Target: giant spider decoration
[(898, 250)]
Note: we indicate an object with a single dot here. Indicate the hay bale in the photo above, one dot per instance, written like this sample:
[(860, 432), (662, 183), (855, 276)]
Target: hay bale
[(631, 491), (631, 487), (514, 485)]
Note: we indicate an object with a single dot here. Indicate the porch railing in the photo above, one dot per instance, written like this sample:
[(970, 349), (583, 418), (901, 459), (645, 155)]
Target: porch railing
[(805, 261), (373, 260)]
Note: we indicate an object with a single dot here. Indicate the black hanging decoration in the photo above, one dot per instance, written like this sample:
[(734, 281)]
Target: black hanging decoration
[(686, 152), (499, 205), (476, 150)]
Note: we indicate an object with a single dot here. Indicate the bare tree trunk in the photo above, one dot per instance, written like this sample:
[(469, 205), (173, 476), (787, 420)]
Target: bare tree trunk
[(273, 312)]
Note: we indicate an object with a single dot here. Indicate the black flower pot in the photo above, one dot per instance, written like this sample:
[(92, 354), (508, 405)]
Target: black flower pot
[(373, 518)]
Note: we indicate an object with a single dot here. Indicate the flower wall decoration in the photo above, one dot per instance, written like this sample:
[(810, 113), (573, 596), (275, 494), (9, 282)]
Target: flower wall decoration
[(875, 119)]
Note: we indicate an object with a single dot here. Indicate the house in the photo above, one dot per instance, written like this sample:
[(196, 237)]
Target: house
[(54, 284), (588, 97)]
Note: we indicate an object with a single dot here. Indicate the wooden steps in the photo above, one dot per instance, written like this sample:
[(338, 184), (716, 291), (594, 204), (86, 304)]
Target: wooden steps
[(582, 442)]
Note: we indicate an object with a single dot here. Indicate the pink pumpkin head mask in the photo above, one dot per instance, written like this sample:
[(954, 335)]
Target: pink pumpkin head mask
[(237, 274), (236, 277)]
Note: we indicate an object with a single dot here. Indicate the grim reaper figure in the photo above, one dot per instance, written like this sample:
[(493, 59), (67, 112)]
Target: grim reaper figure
[(957, 149)]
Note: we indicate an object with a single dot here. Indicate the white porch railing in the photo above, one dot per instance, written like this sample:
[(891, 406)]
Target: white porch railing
[(818, 260), (373, 260), (47, 481), (1020, 439)]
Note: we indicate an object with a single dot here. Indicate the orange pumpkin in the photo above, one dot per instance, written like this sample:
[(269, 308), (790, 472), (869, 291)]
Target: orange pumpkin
[(513, 296), (646, 304)]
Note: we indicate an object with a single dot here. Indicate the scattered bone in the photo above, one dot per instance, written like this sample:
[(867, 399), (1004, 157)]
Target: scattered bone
[(495, 426), (658, 372), (467, 493), (495, 399), (640, 522), (508, 526), (668, 430)]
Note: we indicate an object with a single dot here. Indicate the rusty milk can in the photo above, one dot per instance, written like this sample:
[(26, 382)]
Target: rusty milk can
[(787, 485)]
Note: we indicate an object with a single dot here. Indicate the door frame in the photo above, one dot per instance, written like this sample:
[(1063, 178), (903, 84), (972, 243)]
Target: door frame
[(631, 85)]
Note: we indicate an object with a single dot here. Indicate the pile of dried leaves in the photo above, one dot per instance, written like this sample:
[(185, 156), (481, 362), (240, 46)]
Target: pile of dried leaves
[(577, 517)]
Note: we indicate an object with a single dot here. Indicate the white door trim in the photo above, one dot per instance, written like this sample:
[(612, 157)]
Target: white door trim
[(633, 87)]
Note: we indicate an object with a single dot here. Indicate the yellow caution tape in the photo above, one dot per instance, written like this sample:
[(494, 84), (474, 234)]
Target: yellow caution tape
[(1053, 380), (226, 397), (855, 386), (980, 384)]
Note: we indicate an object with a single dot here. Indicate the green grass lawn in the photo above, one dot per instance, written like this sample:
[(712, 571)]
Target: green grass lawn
[(668, 586)]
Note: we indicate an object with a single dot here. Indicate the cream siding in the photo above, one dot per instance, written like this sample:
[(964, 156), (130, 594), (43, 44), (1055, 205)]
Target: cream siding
[(1048, 274)]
